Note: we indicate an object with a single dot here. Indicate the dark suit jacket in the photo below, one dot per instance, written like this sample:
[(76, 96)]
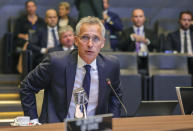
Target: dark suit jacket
[(57, 48), (56, 74), (114, 26), (174, 41), (89, 8), (126, 44)]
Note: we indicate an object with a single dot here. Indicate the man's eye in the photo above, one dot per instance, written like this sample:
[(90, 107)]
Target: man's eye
[(96, 39)]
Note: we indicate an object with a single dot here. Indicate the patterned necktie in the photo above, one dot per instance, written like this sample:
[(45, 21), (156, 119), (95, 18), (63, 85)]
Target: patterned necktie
[(185, 42), (55, 39), (138, 43), (87, 79)]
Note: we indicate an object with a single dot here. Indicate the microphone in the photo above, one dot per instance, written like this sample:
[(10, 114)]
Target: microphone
[(80, 99), (110, 85)]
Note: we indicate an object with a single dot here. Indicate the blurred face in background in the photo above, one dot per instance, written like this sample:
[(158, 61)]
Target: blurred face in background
[(105, 4), (185, 21), (67, 39), (51, 18), (31, 8), (138, 17), (62, 12)]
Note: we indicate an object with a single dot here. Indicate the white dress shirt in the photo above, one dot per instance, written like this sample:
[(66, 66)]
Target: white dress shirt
[(189, 48), (66, 48), (94, 87), (50, 41), (143, 46)]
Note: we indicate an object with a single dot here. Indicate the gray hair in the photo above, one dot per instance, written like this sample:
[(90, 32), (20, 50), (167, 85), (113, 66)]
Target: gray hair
[(90, 20), (65, 29)]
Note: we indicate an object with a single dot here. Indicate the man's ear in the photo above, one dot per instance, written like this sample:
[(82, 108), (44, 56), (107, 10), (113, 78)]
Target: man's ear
[(76, 40), (103, 43)]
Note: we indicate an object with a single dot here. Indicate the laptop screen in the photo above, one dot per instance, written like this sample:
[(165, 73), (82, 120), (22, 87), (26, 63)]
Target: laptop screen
[(156, 108)]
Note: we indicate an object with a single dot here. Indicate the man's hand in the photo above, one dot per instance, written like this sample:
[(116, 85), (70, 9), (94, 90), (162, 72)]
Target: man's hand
[(139, 38)]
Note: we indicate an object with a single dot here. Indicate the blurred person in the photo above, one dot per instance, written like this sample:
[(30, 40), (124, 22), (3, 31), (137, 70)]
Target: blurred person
[(62, 72), (138, 38), (89, 8), (181, 40), (112, 23), (66, 38), (48, 37), (64, 18), (26, 24)]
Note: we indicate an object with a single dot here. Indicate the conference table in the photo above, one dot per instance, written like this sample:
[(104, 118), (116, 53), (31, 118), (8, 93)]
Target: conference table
[(152, 123)]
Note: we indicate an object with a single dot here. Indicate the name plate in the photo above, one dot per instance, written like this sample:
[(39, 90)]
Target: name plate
[(92, 123)]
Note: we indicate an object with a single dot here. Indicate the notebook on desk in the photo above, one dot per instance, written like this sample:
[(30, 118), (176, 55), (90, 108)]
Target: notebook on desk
[(156, 108)]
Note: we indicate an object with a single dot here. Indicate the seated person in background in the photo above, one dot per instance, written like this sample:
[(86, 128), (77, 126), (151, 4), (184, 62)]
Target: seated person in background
[(48, 37), (181, 40), (66, 37), (61, 72), (138, 38), (64, 18), (27, 24), (112, 24)]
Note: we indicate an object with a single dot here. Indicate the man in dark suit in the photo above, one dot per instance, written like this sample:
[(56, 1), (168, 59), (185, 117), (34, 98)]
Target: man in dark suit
[(112, 24), (47, 37), (66, 37), (89, 8), (60, 73), (138, 38), (181, 41)]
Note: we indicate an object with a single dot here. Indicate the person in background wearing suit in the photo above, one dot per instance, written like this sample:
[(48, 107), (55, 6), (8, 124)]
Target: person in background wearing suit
[(64, 18), (47, 37), (112, 23), (29, 23), (62, 72), (181, 41), (89, 8), (138, 38), (66, 37)]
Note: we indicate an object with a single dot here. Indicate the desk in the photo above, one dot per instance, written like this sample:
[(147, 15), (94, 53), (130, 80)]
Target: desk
[(156, 123)]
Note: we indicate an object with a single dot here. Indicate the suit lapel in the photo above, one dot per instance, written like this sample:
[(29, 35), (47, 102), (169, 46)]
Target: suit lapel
[(178, 41), (70, 75), (191, 37), (102, 77)]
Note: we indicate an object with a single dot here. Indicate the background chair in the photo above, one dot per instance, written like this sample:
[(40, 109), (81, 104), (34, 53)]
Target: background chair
[(166, 71), (131, 81), (185, 98)]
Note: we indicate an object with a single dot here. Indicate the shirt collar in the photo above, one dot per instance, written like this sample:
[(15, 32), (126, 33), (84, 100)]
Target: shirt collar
[(81, 63), (182, 31), (66, 48), (50, 28), (141, 28)]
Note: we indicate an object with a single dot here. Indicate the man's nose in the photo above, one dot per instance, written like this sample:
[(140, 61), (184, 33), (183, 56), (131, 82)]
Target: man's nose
[(90, 43)]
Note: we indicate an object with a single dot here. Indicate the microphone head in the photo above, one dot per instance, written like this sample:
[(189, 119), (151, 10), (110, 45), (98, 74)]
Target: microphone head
[(80, 96), (108, 81)]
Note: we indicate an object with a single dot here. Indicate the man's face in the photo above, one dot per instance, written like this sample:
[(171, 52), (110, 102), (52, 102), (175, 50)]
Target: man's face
[(138, 17), (185, 21), (63, 11), (89, 42), (31, 8), (51, 18), (67, 39), (105, 4)]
